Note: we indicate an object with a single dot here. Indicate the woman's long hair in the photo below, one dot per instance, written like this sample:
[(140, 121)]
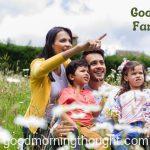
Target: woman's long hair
[(129, 66), (48, 50)]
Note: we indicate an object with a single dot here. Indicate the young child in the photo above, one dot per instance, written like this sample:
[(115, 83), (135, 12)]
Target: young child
[(132, 98), (78, 76)]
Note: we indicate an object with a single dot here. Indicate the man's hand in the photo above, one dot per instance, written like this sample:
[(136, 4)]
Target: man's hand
[(63, 129)]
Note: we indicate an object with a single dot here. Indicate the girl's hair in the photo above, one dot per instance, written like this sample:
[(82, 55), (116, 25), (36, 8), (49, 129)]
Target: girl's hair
[(48, 50), (130, 65)]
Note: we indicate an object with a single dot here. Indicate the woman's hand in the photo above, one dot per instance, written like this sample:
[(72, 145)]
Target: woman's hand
[(63, 129), (88, 46), (93, 44)]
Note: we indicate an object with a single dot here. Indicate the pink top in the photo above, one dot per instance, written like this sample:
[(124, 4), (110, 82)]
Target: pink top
[(85, 97)]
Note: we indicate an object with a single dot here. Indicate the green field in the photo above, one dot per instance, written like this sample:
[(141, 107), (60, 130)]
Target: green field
[(14, 100)]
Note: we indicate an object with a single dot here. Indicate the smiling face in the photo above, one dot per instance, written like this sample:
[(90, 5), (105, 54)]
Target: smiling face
[(62, 42), (97, 67), (81, 76), (135, 77)]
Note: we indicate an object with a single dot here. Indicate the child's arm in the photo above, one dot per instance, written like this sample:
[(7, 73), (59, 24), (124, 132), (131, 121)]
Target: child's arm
[(147, 127), (65, 117)]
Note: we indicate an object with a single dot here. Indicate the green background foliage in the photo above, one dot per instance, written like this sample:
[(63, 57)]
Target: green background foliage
[(16, 58)]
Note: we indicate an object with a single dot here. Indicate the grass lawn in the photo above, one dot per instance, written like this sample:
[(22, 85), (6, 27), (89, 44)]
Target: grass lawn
[(14, 100)]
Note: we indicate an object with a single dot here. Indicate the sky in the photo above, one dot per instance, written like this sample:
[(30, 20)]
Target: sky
[(28, 21)]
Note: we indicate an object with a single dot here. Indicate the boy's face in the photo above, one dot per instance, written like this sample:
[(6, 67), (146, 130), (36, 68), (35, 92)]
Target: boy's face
[(135, 77), (81, 76)]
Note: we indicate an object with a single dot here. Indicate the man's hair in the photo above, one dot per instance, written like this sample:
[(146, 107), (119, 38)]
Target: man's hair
[(72, 67), (94, 51)]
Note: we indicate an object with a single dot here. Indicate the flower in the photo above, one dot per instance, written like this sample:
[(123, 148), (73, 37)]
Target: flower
[(66, 147), (78, 116), (59, 110), (120, 68), (148, 78), (21, 143), (12, 80), (105, 125), (5, 136), (31, 121), (93, 145), (71, 137)]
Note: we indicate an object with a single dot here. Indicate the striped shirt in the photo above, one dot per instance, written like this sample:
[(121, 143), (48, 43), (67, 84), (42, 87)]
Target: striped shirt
[(130, 105)]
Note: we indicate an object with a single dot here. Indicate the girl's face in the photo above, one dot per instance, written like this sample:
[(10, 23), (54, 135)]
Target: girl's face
[(135, 77), (62, 42)]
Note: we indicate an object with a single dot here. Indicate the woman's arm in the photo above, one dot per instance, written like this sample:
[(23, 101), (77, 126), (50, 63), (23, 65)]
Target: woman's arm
[(41, 67)]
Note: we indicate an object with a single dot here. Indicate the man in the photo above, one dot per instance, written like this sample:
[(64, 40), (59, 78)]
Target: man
[(97, 70)]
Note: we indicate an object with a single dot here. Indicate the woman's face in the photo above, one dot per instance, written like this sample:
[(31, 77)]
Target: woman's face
[(62, 42)]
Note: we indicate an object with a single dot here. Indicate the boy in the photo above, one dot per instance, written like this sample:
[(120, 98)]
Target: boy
[(77, 75)]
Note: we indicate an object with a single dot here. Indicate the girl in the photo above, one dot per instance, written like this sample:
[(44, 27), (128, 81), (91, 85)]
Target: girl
[(132, 98)]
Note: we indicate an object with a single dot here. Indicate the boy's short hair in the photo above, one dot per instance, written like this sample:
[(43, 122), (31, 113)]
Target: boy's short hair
[(72, 67), (94, 51)]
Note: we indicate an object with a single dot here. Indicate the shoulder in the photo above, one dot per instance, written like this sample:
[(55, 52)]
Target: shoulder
[(127, 95), (147, 93), (147, 90), (68, 90), (66, 62), (37, 61)]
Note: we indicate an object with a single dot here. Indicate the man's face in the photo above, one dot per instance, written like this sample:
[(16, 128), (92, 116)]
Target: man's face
[(97, 68)]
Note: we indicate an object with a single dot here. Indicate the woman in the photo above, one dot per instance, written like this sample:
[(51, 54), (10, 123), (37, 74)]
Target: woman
[(47, 76)]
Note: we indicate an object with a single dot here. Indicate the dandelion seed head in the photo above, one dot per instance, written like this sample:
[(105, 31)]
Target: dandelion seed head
[(66, 147), (78, 116), (13, 80), (58, 111), (71, 136), (105, 125), (92, 145), (5, 136), (31, 121)]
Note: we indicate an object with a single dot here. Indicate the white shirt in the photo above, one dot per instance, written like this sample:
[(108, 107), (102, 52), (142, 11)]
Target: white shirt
[(60, 83)]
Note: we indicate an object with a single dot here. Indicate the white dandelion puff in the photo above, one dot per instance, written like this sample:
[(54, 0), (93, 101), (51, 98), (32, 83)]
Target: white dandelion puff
[(78, 116), (5, 136), (71, 137), (91, 108), (31, 121), (105, 125), (13, 80), (66, 147), (21, 143), (148, 78), (59, 110), (93, 145)]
